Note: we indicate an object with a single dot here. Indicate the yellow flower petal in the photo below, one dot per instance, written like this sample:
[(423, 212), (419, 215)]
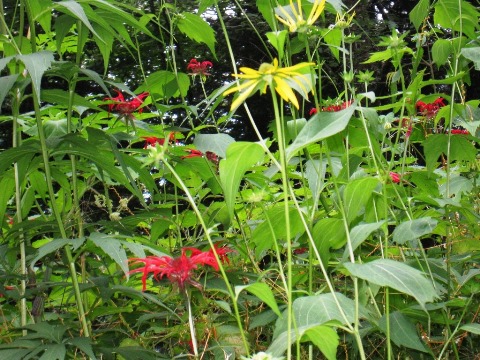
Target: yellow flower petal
[(317, 9), (285, 91)]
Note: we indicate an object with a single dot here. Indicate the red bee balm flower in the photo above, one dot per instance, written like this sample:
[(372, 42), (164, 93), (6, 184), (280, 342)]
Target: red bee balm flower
[(430, 110), (153, 140), (126, 107), (459, 132), (179, 270), (199, 68), (395, 177)]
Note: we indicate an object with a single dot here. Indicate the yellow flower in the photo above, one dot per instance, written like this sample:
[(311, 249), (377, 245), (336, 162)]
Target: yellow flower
[(292, 15), (283, 80)]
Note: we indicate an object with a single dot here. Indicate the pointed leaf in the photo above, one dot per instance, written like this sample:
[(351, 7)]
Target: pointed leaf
[(6, 83), (413, 229), (472, 328), (112, 247), (360, 233), (262, 291), (216, 143), (326, 339), (403, 332), (356, 195), (197, 29), (419, 13), (319, 127), (55, 245), (241, 156), (75, 9), (398, 276), (85, 345), (36, 64), (54, 352)]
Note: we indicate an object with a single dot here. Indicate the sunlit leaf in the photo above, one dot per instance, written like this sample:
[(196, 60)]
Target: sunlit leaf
[(197, 29), (36, 65), (241, 156), (398, 276), (262, 291)]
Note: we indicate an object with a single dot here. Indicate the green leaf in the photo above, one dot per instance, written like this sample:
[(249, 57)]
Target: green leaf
[(6, 83), (413, 229), (319, 127), (419, 13), (166, 84), (448, 14), (241, 156), (326, 339), (60, 97), (356, 195), (273, 228), (471, 53), (398, 276), (472, 328), (441, 50), (75, 9), (55, 245), (36, 64), (40, 9), (54, 352), (262, 291), (310, 312), (85, 345), (265, 8), (216, 143), (197, 29), (402, 331), (7, 184), (46, 331), (360, 233), (277, 39), (113, 248), (437, 144)]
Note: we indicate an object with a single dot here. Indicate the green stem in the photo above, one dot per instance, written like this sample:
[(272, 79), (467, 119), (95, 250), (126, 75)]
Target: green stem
[(51, 192), (283, 172), (191, 323), (230, 291)]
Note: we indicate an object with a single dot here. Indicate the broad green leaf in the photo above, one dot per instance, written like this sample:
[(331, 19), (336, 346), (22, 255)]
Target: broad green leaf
[(277, 39), (55, 128), (266, 9), (472, 328), (310, 312), (5, 60), (166, 84), (441, 50), (325, 338), (448, 14), (402, 331), (319, 127), (36, 64), (55, 245), (241, 156), (331, 231), (398, 276), (262, 291), (54, 352), (104, 40), (41, 12), (75, 9), (413, 229), (315, 174), (7, 184), (419, 13), (356, 195), (60, 97), (360, 233), (273, 228), (6, 83), (85, 345), (197, 29), (44, 330), (113, 248), (473, 54), (333, 38), (216, 143), (437, 144)]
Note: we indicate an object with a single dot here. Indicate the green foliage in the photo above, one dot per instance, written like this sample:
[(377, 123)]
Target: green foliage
[(350, 230)]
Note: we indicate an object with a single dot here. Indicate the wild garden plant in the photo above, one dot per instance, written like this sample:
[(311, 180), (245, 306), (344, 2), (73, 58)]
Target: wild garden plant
[(349, 231)]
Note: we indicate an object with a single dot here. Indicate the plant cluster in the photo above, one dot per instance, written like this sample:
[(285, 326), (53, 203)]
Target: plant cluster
[(351, 231)]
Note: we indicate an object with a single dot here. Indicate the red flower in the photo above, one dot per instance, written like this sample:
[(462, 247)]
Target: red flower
[(430, 110), (335, 108), (126, 107), (199, 68), (153, 140), (312, 112), (179, 270), (459, 132), (395, 177), (192, 153)]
